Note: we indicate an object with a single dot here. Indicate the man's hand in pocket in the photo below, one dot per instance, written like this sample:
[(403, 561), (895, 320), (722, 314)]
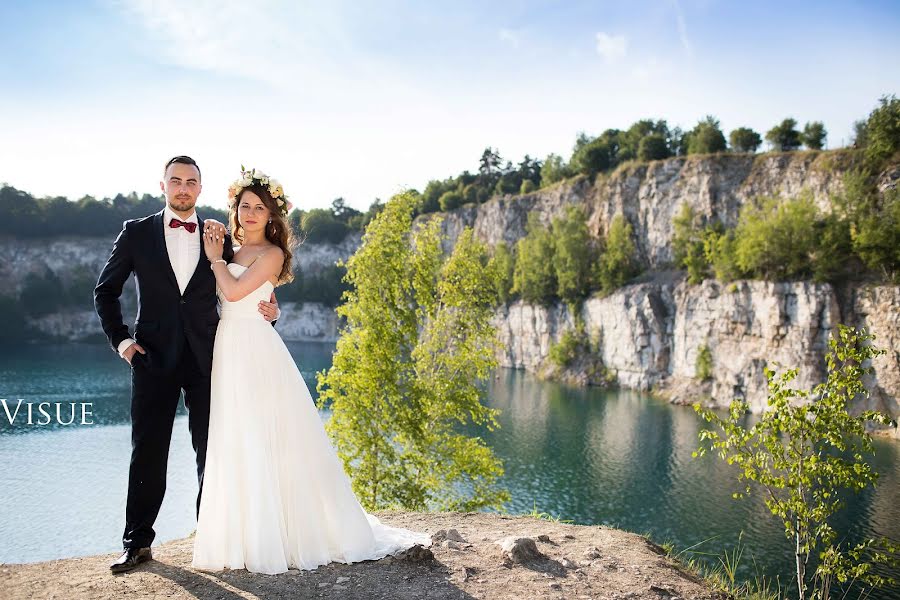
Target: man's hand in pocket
[(131, 350)]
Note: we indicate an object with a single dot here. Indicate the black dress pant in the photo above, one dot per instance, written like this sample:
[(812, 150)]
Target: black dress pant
[(154, 400)]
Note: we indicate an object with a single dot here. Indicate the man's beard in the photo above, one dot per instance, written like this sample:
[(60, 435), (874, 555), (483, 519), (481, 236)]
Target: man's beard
[(183, 203)]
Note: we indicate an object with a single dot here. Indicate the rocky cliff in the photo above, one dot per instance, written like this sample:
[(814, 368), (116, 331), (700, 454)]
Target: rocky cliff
[(647, 335)]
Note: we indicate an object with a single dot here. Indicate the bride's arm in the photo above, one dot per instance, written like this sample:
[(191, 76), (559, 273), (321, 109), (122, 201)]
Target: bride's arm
[(234, 288)]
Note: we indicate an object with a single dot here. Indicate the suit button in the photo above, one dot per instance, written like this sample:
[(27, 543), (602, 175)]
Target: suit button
[(182, 301)]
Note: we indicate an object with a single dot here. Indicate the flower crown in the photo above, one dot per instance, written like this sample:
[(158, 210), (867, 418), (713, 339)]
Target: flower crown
[(254, 177)]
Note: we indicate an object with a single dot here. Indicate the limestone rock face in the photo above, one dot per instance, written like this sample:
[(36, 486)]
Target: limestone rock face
[(647, 335)]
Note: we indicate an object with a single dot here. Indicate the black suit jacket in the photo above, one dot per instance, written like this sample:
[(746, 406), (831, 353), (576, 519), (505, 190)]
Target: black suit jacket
[(164, 315)]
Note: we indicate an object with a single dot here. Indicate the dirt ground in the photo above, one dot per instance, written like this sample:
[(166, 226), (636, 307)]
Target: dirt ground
[(575, 561)]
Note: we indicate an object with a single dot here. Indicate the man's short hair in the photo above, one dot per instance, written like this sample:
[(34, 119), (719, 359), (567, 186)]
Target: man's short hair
[(182, 160)]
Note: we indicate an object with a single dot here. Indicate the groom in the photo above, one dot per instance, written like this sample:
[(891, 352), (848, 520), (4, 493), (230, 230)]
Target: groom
[(172, 346)]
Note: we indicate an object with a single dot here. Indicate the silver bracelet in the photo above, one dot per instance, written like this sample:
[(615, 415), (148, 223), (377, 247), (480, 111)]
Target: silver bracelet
[(218, 260)]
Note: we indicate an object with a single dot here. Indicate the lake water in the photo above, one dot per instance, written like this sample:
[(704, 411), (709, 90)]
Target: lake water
[(616, 458)]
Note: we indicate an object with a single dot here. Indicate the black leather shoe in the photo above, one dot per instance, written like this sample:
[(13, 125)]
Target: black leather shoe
[(131, 558)]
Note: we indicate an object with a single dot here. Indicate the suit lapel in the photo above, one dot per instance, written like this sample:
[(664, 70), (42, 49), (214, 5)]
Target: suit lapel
[(159, 236)]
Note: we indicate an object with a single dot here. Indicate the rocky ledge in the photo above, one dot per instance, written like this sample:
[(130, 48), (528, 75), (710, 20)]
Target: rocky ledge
[(472, 555)]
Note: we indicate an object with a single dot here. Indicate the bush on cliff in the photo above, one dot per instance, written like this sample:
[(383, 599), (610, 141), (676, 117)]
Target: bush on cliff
[(879, 136), (573, 255), (744, 139), (534, 277), (618, 261), (503, 264), (775, 239), (706, 137)]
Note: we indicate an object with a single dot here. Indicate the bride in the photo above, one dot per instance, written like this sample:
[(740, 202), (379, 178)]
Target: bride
[(275, 495)]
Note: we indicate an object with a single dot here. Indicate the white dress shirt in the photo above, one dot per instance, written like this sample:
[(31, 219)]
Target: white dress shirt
[(183, 248)]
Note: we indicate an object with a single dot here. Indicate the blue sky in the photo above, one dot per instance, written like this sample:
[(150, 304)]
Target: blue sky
[(362, 99)]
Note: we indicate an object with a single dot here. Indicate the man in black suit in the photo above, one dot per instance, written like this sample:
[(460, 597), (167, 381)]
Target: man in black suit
[(172, 346)]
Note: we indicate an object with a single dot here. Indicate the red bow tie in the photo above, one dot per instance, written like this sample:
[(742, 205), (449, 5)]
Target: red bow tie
[(189, 226)]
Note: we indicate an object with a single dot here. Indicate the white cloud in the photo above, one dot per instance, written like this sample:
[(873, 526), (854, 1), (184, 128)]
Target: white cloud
[(611, 47), (295, 48)]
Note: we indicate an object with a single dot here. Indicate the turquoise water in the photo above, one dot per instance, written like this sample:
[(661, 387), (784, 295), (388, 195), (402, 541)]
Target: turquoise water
[(617, 458)]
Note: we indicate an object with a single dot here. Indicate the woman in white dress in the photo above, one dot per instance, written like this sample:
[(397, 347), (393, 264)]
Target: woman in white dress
[(275, 495)]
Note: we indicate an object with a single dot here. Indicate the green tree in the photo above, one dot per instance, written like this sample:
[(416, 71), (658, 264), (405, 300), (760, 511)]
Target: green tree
[(470, 193), (719, 248), (629, 141), (450, 200), (573, 255), (744, 139), (618, 262), (833, 248), (594, 155), (320, 225), (784, 136), (553, 170), (594, 158), (801, 453), (704, 364), (405, 373), (813, 136), (881, 133), (876, 239), (688, 245), (534, 278), (527, 186), (706, 137), (776, 239), (503, 265), (653, 147)]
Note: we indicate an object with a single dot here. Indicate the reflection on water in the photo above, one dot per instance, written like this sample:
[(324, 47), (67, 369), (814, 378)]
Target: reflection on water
[(618, 458)]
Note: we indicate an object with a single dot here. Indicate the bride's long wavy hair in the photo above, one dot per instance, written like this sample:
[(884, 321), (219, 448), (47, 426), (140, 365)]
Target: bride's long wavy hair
[(278, 231)]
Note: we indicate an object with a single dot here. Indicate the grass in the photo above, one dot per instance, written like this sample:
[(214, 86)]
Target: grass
[(543, 516), (722, 575)]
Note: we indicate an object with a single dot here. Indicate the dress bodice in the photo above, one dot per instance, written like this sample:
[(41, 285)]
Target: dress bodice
[(248, 306)]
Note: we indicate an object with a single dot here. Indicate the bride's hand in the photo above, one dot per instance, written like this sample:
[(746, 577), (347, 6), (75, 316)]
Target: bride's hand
[(213, 243), (215, 226)]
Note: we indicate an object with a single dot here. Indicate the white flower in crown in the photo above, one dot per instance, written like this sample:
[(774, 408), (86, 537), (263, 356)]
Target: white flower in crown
[(275, 188), (252, 177)]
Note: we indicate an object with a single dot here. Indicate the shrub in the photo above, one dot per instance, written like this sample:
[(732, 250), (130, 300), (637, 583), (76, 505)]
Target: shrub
[(813, 136), (527, 187), (653, 147), (573, 255), (703, 364), (553, 170), (776, 239), (881, 133), (784, 136), (744, 139), (706, 137), (618, 262), (534, 278), (450, 200), (502, 265)]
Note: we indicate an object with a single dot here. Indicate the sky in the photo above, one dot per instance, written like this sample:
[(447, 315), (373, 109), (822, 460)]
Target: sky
[(362, 99)]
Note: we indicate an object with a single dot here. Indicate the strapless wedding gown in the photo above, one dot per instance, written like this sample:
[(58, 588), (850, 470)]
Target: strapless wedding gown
[(275, 495)]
